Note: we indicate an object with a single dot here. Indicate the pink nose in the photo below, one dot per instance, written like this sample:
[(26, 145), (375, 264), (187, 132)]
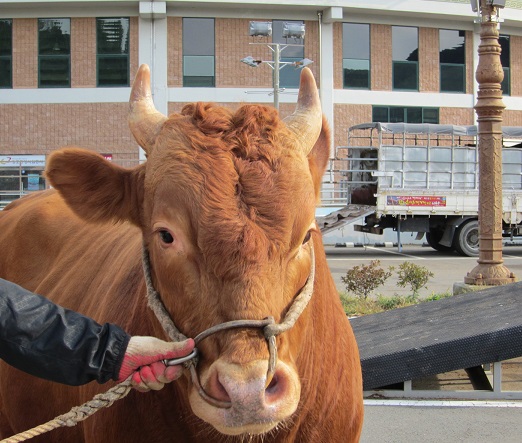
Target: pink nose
[(254, 406), (247, 385)]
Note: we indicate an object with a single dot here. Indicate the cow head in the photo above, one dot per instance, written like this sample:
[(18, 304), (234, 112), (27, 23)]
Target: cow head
[(226, 203)]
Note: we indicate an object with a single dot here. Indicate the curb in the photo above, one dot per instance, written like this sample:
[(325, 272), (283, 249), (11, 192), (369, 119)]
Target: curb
[(387, 244)]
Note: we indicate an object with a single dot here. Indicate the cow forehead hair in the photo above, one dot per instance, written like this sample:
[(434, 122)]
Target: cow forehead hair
[(245, 179), (252, 131)]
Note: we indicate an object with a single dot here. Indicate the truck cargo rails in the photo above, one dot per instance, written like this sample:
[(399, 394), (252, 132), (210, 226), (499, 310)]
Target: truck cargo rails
[(421, 178)]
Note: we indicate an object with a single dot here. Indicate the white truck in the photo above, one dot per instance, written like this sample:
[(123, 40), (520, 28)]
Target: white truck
[(420, 178)]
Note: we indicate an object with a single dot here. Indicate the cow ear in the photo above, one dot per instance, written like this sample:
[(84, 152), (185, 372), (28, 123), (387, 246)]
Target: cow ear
[(319, 156), (94, 188)]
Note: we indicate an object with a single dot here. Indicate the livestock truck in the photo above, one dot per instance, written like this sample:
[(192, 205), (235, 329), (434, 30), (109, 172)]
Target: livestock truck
[(420, 178)]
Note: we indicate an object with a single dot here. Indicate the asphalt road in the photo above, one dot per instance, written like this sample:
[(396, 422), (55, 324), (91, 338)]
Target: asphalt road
[(448, 268), (442, 422)]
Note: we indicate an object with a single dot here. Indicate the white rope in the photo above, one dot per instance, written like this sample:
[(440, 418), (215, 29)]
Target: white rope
[(77, 413)]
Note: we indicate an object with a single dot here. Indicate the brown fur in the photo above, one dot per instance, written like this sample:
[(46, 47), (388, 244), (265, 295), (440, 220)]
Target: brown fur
[(242, 199)]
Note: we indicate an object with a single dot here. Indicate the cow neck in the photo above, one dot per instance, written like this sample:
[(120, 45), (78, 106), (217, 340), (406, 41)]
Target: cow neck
[(271, 329)]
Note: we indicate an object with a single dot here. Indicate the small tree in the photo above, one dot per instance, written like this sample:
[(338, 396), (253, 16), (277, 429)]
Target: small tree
[(362, 280), (413, 275)]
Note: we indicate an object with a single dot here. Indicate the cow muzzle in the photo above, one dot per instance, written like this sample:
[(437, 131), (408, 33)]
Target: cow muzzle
[(257, 402)]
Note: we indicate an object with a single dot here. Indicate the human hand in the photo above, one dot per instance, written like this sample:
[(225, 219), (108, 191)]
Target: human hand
[(144, 361)]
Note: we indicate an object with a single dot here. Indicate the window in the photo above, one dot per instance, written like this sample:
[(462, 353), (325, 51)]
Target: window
[(54, 53), (405, 55), (402, 114), (198, 52), (356, 56), (112, 51), (288, 76), (6, 53), (452, 56), (505, 61), (19, 175)]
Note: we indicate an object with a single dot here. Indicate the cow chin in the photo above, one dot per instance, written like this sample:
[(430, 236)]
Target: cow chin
[(254, 408)]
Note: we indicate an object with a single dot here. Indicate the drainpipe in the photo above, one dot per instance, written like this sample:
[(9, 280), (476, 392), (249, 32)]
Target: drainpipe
[(152, 50)]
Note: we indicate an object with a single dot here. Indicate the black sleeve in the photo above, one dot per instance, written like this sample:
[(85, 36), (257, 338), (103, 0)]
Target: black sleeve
[(48, 341)]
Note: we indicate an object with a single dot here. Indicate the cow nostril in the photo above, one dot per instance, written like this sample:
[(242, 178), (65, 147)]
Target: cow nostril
[(216, 389), (277, 388), (272, 386)]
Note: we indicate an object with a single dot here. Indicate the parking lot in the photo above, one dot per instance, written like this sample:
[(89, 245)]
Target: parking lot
[(448, 268)]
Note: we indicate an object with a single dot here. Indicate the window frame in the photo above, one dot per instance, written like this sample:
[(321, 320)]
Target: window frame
[(406, 109), (400, 62), (355, 59), (445, 66), (205, 81), (45, 57), (113, 56), (505, 85), (8, 58)]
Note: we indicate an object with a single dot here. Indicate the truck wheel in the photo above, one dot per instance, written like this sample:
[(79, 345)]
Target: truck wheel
[(434, 237), (466, 240)]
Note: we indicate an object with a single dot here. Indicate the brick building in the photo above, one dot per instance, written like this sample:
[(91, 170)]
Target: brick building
[(66, 67)]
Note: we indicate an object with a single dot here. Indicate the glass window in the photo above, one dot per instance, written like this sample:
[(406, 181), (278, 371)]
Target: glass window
[(505, 60), (6, 53), (54, 53), (198, 52), (19, 175), (405, 56), (288, 76), (403, 114), (430, 115), (452, 58), (356, 55), (381, 114), (112, 51)]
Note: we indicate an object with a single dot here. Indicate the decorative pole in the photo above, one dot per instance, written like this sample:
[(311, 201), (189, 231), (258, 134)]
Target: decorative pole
[(490, 269)]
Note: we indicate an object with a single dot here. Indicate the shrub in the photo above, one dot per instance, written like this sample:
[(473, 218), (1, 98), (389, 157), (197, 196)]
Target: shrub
[(360, 306), (387, 303), (413, 275), (434, 297), (364, 279)]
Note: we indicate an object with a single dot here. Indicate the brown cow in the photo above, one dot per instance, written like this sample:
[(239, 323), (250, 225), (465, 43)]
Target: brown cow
[(225, 207)]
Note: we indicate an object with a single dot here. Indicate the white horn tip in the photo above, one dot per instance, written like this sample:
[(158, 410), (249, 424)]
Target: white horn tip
[(308, 93), (141, 84)]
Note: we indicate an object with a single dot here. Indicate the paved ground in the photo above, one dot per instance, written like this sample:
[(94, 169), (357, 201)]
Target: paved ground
[(442, 422)]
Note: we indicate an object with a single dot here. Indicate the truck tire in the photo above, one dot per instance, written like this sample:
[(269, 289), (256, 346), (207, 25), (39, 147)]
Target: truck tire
[(433, 238), (466, 240)]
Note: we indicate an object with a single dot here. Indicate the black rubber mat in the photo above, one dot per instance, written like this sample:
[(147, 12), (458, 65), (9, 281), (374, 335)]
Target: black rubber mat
[(430, 338)]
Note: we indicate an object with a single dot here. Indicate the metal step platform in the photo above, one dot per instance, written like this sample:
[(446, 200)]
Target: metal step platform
[(344, 216), (473, 331)]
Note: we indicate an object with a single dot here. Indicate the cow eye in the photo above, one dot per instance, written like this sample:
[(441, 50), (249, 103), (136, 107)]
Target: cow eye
[(166, 236), (307, 237)]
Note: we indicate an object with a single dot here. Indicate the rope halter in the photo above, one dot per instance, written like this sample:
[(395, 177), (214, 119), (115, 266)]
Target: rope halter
[(270, 328)]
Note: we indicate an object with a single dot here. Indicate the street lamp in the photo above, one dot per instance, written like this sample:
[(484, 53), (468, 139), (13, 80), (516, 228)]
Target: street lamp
[(250, 61), (264, 29), (260, 29), (489, 75)]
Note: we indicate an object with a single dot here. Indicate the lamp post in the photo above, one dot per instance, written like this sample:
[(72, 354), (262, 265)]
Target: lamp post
[(490, 269), (264, 29)]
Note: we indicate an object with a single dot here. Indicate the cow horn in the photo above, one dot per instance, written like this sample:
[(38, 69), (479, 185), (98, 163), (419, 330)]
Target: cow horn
[(145, 121), (306, 121)]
